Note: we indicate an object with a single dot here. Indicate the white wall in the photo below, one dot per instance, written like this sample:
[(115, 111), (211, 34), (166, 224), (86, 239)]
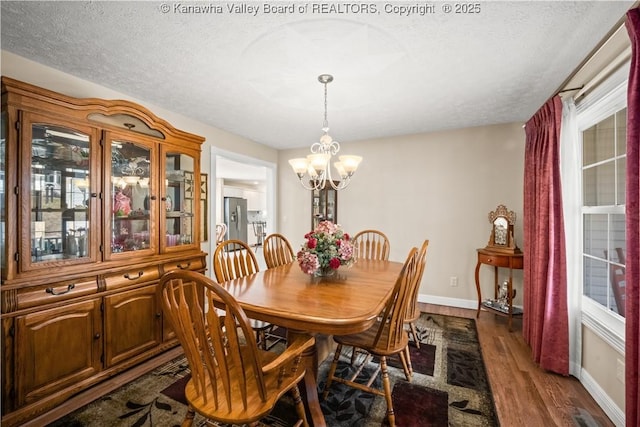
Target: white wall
[(439, 186)]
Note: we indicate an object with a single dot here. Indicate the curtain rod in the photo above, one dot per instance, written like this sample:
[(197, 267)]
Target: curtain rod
[(606, 72), (618, 26), (570, 89)]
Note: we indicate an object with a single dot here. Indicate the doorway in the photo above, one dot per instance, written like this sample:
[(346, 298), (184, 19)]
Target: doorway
[(250, 180)]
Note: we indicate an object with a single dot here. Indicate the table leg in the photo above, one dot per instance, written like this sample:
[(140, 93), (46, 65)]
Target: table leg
[(478, 288), (309, 390), (510, 297)]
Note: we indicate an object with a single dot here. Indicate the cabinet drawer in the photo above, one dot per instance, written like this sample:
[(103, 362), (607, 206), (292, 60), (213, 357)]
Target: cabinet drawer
[(497, 260), (54, 292), (131, 277), (193, 264)]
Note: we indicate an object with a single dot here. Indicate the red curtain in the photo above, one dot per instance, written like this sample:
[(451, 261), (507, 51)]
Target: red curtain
[(545, 322), (632, 307)]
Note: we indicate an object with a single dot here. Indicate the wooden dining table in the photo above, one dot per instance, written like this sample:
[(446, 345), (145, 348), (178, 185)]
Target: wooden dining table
[(347, 302)]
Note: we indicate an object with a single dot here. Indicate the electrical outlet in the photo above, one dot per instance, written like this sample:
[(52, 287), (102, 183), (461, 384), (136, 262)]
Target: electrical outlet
[(620, 370), (453, 281)]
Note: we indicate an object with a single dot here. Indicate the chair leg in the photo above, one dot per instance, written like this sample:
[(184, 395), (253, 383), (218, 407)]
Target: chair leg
[(387, 391), (332, 371), (261, 339), (188, 418), (299, 406), (354, 354), (414, 334), (405, 358), (271, 339)]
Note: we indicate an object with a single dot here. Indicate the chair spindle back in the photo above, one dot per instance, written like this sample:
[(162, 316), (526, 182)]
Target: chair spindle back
[(371, 244), (277, 250), (413, 311), (224, 366), (233, 259), (392, 323)]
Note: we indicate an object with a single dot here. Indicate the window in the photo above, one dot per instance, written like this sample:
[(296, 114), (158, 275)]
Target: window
[(603, 211)]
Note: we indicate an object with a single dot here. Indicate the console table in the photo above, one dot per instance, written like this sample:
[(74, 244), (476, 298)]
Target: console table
[(499, 260)]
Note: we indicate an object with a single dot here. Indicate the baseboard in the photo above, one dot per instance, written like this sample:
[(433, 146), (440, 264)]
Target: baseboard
[(612, 410), (449, 302)]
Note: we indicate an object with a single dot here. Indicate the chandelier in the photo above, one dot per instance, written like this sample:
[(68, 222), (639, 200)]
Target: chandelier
[(316, 167)]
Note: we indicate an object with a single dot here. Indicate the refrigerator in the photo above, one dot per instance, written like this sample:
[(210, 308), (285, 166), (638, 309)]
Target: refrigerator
[(235, 216)]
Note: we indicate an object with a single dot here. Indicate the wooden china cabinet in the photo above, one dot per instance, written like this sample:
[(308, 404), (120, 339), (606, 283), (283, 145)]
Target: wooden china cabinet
[(97, 201), (324, 205)]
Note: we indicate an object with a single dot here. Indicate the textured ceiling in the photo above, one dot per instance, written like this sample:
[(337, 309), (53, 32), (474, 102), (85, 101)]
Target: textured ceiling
[(396, 72)]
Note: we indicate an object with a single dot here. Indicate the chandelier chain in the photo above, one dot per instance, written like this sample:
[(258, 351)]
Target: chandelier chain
[(325, 125)]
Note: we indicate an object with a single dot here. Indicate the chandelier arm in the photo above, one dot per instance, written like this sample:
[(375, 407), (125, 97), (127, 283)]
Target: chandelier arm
[(334, 147), (328, 175), (316, 148), (317, 185), (342, 184)]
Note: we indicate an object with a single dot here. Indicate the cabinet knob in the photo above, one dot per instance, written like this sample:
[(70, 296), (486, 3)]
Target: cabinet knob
[(94, 195), (164, 199), (158, 314), (153, 197), (97, 336)]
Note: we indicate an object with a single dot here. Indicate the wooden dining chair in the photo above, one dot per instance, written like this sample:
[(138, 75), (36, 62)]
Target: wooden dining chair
[(232, 380), (371, 244), (233, 259), (413, 310), (221, 232), (617, 275), (277, 250), (385, 338)]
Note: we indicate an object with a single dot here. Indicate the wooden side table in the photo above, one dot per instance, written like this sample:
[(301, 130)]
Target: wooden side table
[(499, 260)]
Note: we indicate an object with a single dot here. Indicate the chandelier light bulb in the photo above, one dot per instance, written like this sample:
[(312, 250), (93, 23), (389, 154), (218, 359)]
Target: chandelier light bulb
[(313, 174), (350, 163), (319, 162), (340, 168), (299, 165)]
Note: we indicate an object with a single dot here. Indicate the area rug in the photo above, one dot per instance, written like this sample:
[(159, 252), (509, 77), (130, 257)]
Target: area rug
[(449, 388)]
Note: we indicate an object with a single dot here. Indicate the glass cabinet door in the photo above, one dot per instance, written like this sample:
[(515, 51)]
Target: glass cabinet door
[(130, 199), (178, 199), (61, 218), (331, 204), (324, 205)]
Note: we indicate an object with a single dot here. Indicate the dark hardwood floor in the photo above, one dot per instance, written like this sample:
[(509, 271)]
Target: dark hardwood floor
[(524, 394)]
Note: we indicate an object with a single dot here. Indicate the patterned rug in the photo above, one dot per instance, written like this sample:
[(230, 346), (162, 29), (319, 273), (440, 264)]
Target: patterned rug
[(449, 388)]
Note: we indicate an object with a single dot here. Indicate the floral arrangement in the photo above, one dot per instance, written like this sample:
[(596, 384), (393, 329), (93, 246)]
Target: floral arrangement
[(325, 249)]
